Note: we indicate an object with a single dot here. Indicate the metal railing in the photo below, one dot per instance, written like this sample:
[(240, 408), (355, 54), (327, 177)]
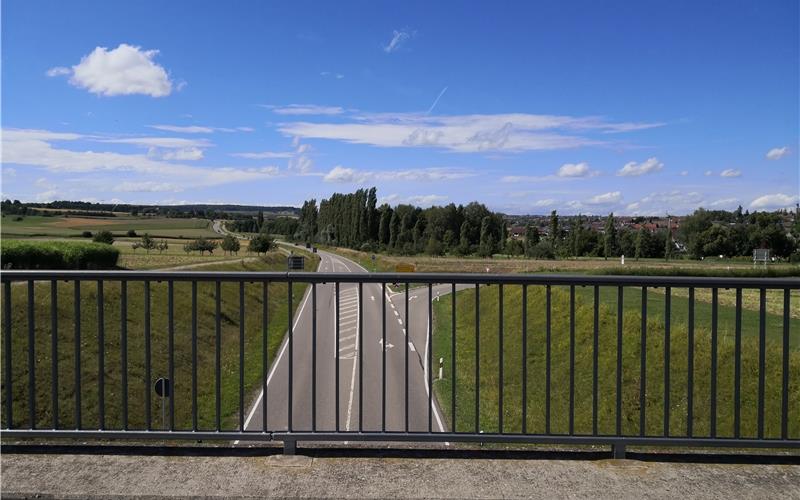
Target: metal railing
[(521, 358)]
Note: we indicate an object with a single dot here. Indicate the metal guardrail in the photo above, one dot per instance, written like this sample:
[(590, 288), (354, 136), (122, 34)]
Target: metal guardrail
[(394, 397)]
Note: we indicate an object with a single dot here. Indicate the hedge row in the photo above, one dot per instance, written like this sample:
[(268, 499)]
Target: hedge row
[(16, 254)]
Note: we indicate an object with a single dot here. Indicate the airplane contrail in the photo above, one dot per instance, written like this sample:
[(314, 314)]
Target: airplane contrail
[(437, 100)]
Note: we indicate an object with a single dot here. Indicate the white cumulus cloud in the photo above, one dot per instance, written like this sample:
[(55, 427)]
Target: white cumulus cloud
[(777, 153), (778, 200), (125, 70), (730, 172), (574, 170), (605, 198), (634, 169)]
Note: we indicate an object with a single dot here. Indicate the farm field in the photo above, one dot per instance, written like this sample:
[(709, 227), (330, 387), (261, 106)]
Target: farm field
[(535, 362), (72, 226), (90, 347)]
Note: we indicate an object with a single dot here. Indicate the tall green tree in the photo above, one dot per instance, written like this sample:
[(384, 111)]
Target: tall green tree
[(555, 230), (610, 244)]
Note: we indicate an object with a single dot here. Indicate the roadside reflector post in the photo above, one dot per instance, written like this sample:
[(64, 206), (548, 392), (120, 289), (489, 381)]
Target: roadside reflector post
[(441, 367)]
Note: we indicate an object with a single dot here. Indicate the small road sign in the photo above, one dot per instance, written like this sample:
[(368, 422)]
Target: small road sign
[(163, 387), (296, 262)]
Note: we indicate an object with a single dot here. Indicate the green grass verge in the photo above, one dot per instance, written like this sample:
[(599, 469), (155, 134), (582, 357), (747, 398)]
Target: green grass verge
[(89, 348), (535, 361)]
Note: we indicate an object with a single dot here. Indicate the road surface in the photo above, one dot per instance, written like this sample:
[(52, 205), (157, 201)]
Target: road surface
[(359, 356)]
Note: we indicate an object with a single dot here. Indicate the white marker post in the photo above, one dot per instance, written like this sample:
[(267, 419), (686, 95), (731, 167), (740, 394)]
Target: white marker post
[(441, 367)]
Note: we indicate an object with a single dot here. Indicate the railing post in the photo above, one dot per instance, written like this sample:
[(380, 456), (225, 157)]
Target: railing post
[(618, 451), (289, 447)]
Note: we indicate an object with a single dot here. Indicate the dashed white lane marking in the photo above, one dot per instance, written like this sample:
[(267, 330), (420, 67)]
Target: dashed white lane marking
[(400, 321), (411, 346), (396, 313)]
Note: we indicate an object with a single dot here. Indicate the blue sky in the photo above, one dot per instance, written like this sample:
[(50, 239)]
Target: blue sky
[(579, 106)]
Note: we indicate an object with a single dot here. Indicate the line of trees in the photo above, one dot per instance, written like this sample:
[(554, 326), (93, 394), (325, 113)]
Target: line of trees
[(354, 220)]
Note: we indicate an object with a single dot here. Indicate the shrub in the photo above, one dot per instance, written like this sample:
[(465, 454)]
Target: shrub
[(543, 250), (230, 244), (86, 234), (261, 244), (131, 233), (57, 255), (104, 237)]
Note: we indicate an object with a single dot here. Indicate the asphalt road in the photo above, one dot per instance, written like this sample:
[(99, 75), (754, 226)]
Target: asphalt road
[(367, 400)]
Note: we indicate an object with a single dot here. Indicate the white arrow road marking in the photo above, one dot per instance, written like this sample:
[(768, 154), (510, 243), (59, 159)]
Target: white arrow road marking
[(388, 345)]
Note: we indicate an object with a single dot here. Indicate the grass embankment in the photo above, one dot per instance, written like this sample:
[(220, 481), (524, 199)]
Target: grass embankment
[(607, 360), (278, 320), (507, 265)]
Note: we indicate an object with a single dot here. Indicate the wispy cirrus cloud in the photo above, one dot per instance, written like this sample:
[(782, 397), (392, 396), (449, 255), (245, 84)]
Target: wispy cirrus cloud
[(509, 132), (340, 174), (304, 109), (198, 129), (399, 38), (40, 149)]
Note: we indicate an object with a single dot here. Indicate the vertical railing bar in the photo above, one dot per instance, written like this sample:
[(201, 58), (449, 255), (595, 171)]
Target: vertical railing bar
[(31, 357), (290, 400), (383, 357), (643, 367), (100, 357), (620, 294), (241, 355), (714, 333), (737, 367), (53, 350), (429, 341), (264, 352), (194, 355), (217, 355), (77, 313), (336, 351), (595, 348), (147, 401), (171, 350), (690, 368), (123, 347), (453, 356), (785, 368), (477, 359), (524, 359), (360, 358), (667, 326), (7, 358), (762, 340), (407, 349), (313, 357), (500, 350), (547, 328), (571, 360)]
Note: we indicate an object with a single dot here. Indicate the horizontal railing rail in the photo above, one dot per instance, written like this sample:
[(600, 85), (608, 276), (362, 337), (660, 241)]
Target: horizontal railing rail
[(299, 356)]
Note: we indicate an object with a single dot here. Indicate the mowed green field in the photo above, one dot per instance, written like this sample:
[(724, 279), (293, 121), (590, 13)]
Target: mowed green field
[(72, 226), (535, 362), (90, 348)]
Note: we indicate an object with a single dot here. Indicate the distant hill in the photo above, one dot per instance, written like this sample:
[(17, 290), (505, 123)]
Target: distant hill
[(200, 209)]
